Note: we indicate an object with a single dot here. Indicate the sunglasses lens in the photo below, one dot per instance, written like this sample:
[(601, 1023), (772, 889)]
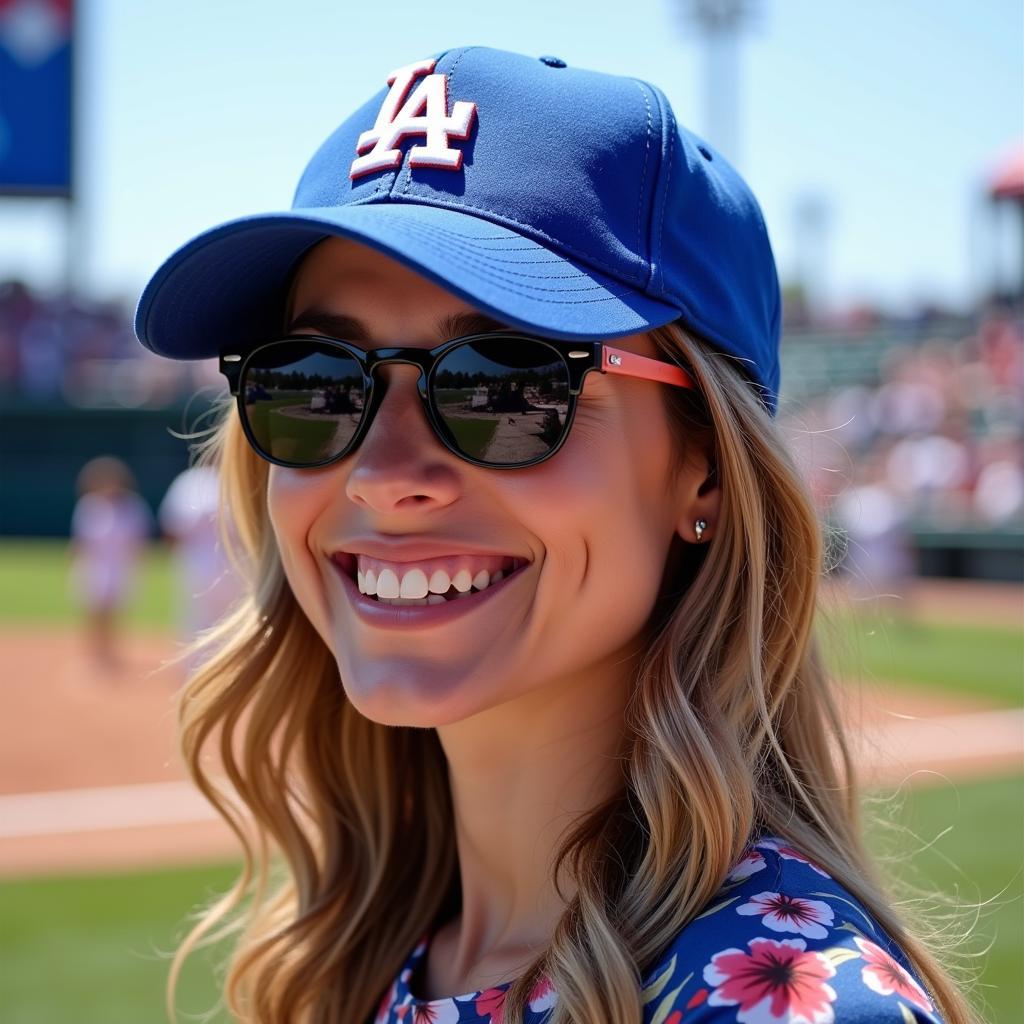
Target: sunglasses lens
[(303, 402), (503, 400)]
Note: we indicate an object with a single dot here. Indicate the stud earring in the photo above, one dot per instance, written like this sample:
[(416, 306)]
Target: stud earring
[(700, 526)]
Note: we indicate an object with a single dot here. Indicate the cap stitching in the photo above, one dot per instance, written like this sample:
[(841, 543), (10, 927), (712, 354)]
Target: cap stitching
[(577, 274), (668, 183), (503, 277), (484, 271), (629, 275), (471, 239), (427, 235), (643, 176)]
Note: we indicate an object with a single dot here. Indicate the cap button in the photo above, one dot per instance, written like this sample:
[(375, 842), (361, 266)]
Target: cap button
[(553, 62)]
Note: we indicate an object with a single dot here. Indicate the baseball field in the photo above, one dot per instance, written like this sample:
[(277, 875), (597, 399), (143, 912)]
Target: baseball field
[(105, 851)]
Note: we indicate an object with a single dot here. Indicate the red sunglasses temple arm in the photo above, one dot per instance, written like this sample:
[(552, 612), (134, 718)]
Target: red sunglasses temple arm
[(629, 364)]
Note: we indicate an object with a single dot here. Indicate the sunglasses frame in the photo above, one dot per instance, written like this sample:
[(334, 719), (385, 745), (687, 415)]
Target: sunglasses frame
[(579, 357)]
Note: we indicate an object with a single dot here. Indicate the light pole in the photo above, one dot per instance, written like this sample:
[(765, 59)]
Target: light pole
[(719, 23)]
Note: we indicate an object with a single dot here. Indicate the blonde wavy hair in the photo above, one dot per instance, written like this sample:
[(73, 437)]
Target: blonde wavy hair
[(346, 825)]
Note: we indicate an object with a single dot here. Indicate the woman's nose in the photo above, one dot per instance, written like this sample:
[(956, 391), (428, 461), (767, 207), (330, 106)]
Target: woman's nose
[(401, 462)]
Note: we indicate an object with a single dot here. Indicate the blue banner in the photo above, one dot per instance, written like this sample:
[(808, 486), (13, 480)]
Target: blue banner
[(36, 97)]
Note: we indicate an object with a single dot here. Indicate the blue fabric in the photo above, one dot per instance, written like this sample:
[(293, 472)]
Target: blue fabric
[(580, 210), (780, 943)]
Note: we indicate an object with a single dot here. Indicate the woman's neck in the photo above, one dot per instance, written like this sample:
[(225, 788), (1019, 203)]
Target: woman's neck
[(521, 775)]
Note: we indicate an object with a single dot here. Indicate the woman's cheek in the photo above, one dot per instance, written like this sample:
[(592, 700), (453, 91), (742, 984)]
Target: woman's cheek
[(293, 502)]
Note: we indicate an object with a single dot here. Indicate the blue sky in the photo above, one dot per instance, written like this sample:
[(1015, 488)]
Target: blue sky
[(889, 111)]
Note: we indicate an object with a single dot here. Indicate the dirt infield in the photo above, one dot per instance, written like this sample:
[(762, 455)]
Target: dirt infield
[(90, 777)]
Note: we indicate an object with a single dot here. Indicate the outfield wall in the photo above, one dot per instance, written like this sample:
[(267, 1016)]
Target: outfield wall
[(43, 447)]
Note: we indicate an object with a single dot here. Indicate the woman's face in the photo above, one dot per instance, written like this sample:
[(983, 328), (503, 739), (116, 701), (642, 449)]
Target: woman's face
[(595, 521)]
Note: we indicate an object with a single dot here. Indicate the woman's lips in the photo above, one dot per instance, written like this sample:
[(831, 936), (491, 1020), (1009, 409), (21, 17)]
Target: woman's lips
[(376, 613)]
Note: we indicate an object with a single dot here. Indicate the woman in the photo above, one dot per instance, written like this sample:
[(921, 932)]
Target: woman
[(525, 690)]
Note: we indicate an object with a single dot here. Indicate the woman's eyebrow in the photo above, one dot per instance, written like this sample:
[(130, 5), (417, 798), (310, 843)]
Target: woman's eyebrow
[(334, 325), (339, 325), (461, 324)]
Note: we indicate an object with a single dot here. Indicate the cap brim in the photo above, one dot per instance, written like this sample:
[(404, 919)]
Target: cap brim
[(226, 287)]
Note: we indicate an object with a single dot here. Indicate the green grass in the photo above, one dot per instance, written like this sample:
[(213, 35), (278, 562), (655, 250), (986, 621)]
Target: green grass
[(87, 949), (294, 437), (34, 586), (93, 949), (979, 859), (987, 662), (452, 396), (473, 434)]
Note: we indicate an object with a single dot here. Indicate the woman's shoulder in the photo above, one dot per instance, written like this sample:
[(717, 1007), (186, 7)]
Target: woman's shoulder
[(782, 941)]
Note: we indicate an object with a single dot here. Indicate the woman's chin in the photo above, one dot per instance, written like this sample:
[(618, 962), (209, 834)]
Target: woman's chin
[(410, 699)]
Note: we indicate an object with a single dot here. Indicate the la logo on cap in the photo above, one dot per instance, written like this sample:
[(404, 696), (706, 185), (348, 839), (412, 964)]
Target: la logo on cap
[(425, 113)]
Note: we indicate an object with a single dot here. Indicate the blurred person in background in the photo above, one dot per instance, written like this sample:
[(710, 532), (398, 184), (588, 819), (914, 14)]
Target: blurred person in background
[(189, 519), (878, 560), (998, 497), (109, 529)]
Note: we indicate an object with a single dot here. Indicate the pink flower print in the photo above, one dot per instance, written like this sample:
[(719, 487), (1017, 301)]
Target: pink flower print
[(783, 850), (777, 982), (750, 865), (884, 975), (440, 1011), (784, 913), (542, 995), (491, 1002)]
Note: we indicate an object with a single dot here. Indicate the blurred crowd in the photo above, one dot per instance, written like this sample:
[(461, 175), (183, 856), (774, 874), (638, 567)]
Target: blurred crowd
[(84, 352), (935, 443), (941, 431)]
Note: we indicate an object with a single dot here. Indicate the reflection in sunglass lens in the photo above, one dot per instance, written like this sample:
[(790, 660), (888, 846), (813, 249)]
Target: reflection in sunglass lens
[(303, 402), (503, 400)]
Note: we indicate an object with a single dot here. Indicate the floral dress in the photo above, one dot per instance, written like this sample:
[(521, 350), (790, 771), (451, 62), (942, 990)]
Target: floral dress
[(780, 943)]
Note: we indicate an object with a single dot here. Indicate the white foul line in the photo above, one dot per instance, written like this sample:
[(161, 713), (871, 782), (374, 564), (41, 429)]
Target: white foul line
[(107, 807)]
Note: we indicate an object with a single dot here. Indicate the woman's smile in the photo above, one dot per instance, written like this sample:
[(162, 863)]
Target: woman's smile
[(413, 613)]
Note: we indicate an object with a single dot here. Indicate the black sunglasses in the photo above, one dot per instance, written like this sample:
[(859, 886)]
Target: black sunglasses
[(501, 399)]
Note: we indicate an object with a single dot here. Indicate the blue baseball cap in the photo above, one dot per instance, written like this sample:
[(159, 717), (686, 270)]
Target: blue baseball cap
[(558, 200)]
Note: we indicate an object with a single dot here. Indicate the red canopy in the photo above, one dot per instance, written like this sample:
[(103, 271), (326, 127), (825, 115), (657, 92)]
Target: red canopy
[(1006, 180)]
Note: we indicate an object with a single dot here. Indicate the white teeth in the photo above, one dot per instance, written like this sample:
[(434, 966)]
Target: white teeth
[(462, 581), (414, 584), (387, 583), (415, 588), (439, 582)]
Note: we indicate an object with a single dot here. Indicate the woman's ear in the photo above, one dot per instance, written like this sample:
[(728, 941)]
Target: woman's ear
[(701, 499)]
